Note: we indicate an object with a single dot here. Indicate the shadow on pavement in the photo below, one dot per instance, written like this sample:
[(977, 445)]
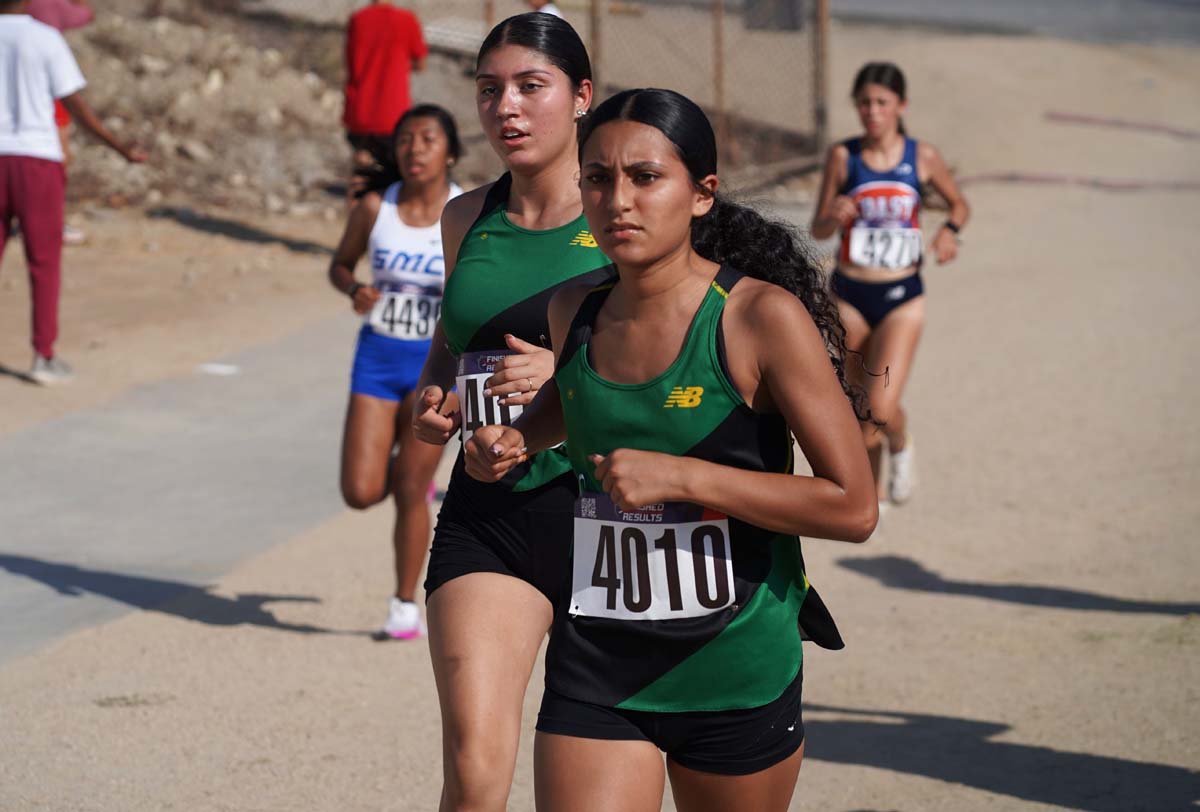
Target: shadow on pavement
[(904, 573), (959, 751), (235, 230), (169, 597), (20, 375)]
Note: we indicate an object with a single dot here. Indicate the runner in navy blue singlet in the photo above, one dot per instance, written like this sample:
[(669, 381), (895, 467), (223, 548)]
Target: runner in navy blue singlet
[(871, 196)]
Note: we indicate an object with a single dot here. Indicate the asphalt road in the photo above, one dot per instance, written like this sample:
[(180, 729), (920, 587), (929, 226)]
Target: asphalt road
[(1174, 21), (165, 489)]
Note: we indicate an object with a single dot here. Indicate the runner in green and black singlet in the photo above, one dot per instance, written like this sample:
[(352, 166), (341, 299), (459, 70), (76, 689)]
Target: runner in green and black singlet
[(502, 283), (688, 654), (678, 390), (499, 559)]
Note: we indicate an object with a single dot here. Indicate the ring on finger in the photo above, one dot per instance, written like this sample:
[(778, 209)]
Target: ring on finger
[(531, 386)]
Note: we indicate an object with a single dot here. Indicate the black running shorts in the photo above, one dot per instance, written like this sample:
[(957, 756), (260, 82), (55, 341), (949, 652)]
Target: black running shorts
[(734, 742), (491, 528)]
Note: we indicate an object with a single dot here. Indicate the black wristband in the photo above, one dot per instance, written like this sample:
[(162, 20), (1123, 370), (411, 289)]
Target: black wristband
[(953, 226), (355, 288)]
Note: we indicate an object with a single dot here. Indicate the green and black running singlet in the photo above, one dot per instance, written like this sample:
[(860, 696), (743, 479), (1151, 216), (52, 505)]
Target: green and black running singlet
[(502, 283), (674, 607)]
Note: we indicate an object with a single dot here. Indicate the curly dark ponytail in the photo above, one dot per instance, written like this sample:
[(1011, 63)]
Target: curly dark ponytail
[(731, 233), (774, 252)]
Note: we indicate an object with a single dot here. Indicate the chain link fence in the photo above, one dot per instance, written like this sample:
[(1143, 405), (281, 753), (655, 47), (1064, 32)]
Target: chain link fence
[(754, 65)]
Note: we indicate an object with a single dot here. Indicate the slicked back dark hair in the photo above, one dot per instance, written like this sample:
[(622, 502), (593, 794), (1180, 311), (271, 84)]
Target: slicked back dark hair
[(552, 37), (885, 74)]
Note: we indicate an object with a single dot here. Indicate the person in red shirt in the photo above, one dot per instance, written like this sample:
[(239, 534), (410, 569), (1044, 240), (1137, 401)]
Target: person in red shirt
[(383, 45)]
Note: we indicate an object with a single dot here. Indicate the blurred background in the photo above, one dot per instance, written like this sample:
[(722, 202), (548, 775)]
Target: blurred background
[(185, 601)]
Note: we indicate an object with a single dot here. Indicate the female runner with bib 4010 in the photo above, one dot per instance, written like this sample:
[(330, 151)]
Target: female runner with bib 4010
[(871, 192), (678, 390), (399, 231), (498, 560)]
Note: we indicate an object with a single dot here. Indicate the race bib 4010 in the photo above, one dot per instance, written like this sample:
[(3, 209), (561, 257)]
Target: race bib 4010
[(659, 562), (479, 410)]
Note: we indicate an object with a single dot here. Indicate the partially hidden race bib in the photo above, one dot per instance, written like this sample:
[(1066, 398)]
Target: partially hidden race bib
[(885, 247), (406, 312), (479, 410), (659, 562)]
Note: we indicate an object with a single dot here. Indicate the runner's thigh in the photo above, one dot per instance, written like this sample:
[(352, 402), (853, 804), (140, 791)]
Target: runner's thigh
[(769, 790), (892, 347), (596, 775), (485, 631), (367, 441), (417, 462)]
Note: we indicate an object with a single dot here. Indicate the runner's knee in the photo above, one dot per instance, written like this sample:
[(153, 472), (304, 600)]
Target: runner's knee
[(359, 493), (476, 778), (873, 434), (410, 489), (885, 411)]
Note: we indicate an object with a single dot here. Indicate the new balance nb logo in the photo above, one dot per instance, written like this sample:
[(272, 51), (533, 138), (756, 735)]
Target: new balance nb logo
[(684, 397), (584, 239)]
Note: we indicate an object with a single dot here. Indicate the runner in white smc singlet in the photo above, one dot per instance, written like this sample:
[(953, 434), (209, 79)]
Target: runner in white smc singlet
[(399, 232)]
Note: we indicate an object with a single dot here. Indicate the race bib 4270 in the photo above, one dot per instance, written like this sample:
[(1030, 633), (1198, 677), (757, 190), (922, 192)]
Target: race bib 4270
[(659, 562), (885, 247)]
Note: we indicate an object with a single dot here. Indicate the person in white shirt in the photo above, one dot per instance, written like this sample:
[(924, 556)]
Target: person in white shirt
[(37, 67), (545, 7)]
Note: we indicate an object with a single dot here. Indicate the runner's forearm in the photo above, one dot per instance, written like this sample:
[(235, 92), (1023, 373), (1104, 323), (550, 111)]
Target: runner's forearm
[(341, 277), (799, 505), (541, 422), (440, 364), (960, 213), (824, 227)]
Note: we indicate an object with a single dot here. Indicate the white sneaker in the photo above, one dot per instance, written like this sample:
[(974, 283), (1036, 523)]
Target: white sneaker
[(74, 236), (404, 621), (902, 479), (49, 371)]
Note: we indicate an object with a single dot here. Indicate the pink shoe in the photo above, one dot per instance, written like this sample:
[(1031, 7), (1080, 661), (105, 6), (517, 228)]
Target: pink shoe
[(404, 621)]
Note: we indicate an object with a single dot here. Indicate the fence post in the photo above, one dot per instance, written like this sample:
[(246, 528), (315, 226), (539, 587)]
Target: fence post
[(718, 25), (821, 76)]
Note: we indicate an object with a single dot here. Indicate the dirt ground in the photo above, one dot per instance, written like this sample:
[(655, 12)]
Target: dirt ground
[(1025, 635)]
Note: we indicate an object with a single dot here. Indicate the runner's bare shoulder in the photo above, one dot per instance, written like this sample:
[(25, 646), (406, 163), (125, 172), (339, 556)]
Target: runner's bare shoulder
[(458, 216), (564, 304)]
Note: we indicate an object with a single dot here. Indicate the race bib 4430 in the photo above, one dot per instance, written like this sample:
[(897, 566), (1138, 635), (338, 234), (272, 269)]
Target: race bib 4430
[(659, 562), (479, 410), (405, 313)]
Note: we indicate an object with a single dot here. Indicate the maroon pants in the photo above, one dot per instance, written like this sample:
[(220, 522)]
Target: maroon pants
[(32, 190)]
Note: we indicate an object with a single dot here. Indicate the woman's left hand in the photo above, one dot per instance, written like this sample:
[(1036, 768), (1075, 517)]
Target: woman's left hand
[(636, 478), (945, 246), (518, 377), (493, 451)]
